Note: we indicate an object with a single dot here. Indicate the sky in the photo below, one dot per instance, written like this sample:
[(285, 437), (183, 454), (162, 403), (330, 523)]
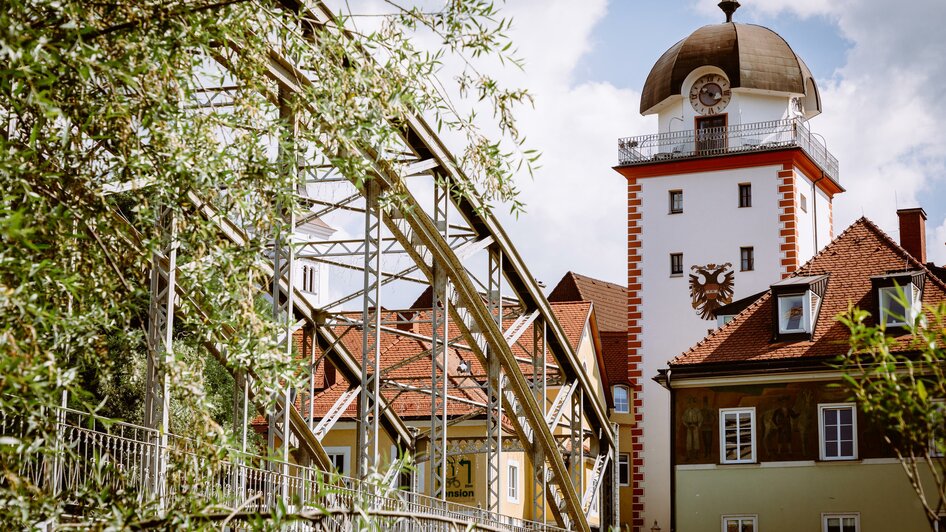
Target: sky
[(879, 65)]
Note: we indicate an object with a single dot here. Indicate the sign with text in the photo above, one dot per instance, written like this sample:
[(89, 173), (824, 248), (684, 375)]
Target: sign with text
[(460, 475)]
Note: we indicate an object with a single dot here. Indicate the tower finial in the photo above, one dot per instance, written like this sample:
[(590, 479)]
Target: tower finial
[(729, 7)]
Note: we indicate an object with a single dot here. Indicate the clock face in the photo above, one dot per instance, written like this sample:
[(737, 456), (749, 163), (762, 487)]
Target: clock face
[(710, 94)]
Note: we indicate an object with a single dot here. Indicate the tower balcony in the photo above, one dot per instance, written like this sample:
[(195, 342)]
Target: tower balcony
[(731, 140)]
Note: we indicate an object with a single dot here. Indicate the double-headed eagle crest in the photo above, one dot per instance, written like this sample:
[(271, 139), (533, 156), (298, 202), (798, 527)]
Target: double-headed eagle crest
[(711, 293)]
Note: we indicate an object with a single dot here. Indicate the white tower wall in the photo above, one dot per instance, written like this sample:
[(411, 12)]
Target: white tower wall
[(711, 229)]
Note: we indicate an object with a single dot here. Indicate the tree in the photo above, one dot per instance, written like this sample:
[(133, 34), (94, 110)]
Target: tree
[(901, 386), (107, 126)]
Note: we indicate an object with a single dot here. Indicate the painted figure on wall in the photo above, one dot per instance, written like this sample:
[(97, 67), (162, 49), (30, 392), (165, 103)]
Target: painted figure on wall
[(777, 425), (786, 427), (805, 413), (706, 429), (692, 423), (707, 291)]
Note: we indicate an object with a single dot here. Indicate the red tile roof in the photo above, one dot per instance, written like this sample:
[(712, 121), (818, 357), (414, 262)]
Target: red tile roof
[(610, 299), (396, 349), (614, 345), (857, 254), (610, 306)]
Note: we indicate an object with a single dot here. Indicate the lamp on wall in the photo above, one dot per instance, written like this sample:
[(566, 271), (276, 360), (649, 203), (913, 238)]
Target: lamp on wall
[(670, 122), (655, 528)]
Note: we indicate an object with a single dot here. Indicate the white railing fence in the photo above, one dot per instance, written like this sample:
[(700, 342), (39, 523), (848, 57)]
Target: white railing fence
[(96, 453)]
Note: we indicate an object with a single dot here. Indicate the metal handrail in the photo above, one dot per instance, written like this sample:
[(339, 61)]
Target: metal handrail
[(126, 456), (741, 138)]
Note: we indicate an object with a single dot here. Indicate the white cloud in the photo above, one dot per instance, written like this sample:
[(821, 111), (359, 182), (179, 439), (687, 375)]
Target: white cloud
[(883, 106), (576, 204)]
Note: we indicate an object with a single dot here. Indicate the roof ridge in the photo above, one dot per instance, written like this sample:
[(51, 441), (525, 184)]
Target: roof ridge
[(579, 302), (596, 280)]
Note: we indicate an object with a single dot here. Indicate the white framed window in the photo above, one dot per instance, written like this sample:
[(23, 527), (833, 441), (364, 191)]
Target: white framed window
[(837, 431), (340, 458), (893, 311), (794, 313), (624, 469), (512, 481), (737, 435), (740, 523), (841, 522), (622, 403)]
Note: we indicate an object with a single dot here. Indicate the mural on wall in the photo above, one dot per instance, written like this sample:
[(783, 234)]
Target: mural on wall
[(707, 291), (698, 423), (786, 424)]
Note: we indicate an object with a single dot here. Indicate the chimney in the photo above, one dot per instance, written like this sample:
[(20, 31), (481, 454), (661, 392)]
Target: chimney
[(913, 232), (405, 321)]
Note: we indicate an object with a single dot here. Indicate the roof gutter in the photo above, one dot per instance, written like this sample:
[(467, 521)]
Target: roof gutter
[(727, 369)]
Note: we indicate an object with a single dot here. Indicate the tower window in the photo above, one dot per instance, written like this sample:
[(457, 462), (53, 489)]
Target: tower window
[(309, 281), (745, 195), (803, 202), (747, 258), (676, 201), (676, 264)]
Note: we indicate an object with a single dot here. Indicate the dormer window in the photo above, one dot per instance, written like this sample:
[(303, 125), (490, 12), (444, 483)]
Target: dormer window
[(893, 308), (899, 297), (797, 301), (794, 314)]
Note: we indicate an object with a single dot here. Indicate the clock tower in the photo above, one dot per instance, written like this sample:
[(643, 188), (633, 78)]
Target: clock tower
[(733, 192)]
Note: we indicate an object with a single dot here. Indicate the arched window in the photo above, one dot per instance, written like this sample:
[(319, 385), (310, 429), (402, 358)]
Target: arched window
[(621, 403)]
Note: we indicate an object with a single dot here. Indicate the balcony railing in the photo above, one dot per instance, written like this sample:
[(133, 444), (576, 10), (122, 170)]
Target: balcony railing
[(742, 138)]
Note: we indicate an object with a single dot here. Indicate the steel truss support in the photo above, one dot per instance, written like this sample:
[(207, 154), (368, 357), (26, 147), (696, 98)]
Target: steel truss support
[(539, 365), (418, 234), (440, 346), (160, 344), (576, 441), (284, 269), (189, 297), (494, 392), (370, 346)]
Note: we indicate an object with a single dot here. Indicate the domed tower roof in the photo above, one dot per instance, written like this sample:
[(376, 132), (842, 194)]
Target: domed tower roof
[(753, 57)]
